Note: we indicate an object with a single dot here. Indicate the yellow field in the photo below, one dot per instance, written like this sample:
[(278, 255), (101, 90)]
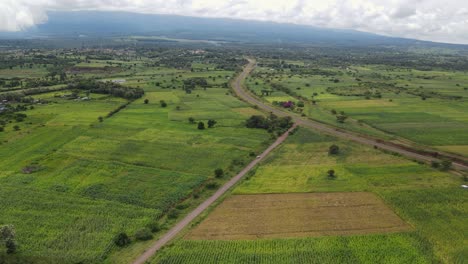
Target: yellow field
[(298, 215)]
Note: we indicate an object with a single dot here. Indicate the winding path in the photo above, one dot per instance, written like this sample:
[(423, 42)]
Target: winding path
[(252, 99), (174, 231)]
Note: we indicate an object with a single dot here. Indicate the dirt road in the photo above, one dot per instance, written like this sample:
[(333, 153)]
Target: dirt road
[(317, 126), (197, 211)]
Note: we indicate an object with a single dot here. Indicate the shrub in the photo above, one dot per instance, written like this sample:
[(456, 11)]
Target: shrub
[(219, 173), (333, 150), (143, 234), (163, 103), (122, 240), (201, 125), (146, 101), (191, 120), (211, 123), (331, 174)]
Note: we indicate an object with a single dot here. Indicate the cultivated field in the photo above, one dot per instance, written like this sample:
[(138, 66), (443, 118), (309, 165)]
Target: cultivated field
[(298, 215), (428, 107), (420, 200), (84, 181)]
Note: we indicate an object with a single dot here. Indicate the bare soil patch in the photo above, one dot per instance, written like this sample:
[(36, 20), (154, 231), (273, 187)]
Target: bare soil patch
[(298, 215)]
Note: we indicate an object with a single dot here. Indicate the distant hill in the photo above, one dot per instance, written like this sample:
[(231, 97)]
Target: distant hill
[(106, 24)]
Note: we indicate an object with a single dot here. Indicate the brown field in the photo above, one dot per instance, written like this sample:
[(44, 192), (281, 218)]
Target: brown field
[(298, 215)]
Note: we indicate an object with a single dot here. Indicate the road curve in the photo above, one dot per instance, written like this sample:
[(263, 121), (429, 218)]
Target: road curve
[(197, 211), (252, 99)]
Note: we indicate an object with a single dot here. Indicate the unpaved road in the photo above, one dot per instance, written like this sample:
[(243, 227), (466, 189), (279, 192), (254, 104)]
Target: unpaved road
[(197, 211), (252, 99)]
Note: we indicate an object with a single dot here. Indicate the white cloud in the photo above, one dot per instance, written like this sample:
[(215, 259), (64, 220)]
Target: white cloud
[(436, 20)]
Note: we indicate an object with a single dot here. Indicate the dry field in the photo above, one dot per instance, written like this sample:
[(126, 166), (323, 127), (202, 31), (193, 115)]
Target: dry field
[(298, 215)]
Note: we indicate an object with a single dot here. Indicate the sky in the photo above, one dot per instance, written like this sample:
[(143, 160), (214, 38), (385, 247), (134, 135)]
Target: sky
[(434, 20)]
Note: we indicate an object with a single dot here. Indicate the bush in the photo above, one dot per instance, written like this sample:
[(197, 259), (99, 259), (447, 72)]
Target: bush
[(163, 103), (334, 150), (331, 174), (122, 240), (143, 234), (201, 125), (219, 173), (146, 101)]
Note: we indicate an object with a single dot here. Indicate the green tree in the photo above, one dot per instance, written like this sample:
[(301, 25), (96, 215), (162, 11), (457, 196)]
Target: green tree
[(219, 173), (201, 125), (101, 119), (146, 101), (191, 120), (333, 150), (211, 123), (163, 103), (331, 174)]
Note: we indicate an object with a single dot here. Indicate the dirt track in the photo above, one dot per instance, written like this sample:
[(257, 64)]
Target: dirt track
[(252, 99), (197, 211)]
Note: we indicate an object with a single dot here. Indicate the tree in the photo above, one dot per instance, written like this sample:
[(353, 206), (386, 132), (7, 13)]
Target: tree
[(333, 150), (163, 103), (191, 120), (146, 101), (331, 174), (101, 119), (122, 240), (2, 129), (219, 173), (211, 123), (201, 125), (16, 128)]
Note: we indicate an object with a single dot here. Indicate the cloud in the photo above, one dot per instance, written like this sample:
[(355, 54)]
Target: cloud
[(445, 21)]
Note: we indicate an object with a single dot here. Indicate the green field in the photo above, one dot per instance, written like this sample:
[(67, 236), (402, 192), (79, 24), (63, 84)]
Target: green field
[(83, 181), (423, 197), (407, 103)]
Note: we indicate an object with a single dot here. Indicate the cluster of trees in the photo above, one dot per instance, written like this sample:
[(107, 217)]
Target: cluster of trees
[(272, 123), (110, 88), (201, 124), (191, 83)]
